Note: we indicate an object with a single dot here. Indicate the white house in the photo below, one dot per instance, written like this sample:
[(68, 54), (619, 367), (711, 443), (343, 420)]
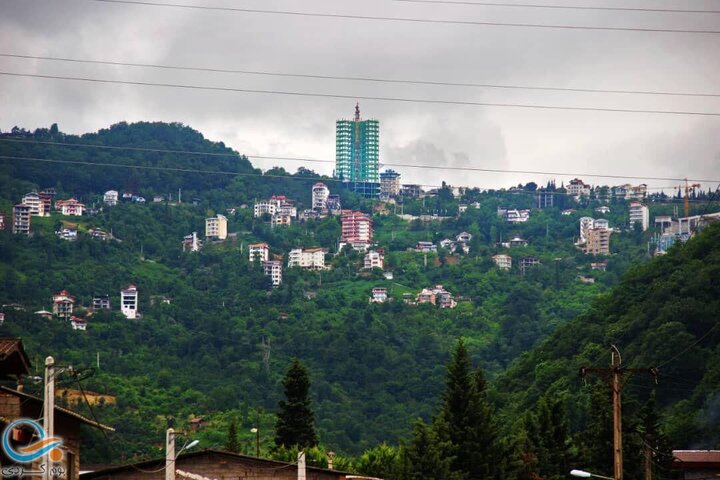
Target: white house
[(640, 213), (70, 207), (273, 269), (503, 262), (374, 259), (111, 197), (308, 258), (379, 295), (258, 251), (320, 194), (129, 301)]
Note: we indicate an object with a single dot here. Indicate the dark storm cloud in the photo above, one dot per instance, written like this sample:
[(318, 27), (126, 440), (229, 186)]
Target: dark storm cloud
[(445, 135)]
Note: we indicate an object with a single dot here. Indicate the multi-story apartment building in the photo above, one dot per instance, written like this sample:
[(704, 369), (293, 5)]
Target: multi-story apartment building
[(598, 241), (357, 152), (63, 304), (70, 207), (411, 191), (502, 261), (111, 198), (437, 296), (601, 223), (379, 295), (21, 219), (639, 213), (586, 223), (280, 219), (261, 208), (356, 228), (2, 221), (333, 203), (425, 247), (129, 301), (374, 259), (320, 194), (273, 269), (389, 184), (32, 200), (216, 227), (258, 251), (578, 188), (46, 200), (101, 302), (308, 258), (527, 262)]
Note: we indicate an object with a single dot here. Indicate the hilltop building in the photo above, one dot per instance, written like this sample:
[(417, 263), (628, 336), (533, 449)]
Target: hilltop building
[(70, 207), (502, 261), (425, 247), (191, 243), (411, 191), (258, 251), (527, 262), (333, 203), (2, 221), (320, 194), (357, 154), (356, 229), (21, 219), (598, 241), (101, 302), (437, 296), (577, 188), (389, 184), (129, 302), (273, 269), (308, 258), (639, 213), (32, 200), (216, 227), (111, 198), (629, 192), (374, 259), (63, 304), (379, 295)]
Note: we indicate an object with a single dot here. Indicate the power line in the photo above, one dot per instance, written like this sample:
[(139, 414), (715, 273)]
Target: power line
[(406, 19), (363, 97), (313, 160), (557, 7), (360, 79)]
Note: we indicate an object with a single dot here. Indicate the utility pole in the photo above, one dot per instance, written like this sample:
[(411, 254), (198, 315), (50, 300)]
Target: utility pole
[(648, 458), (616, 371), (301, 466), (49, 411), (170, 454)]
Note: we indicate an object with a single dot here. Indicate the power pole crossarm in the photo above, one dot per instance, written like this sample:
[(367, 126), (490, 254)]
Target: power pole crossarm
[(616, 372)]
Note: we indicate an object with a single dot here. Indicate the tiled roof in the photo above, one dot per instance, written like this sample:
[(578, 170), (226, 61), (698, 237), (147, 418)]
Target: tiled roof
[(66, 411), (696, 457)]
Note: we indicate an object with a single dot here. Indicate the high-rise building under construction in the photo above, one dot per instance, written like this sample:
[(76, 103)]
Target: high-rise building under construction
[(357, 154)]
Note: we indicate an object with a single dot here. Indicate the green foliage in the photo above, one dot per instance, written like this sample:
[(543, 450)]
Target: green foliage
[(232, 444), (295, 418)]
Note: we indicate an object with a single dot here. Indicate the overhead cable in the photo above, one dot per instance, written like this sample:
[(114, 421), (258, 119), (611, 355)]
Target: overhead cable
[(360, 79), (258, 175), (364, 97), (407, 19), (554, 6), (315, 160)]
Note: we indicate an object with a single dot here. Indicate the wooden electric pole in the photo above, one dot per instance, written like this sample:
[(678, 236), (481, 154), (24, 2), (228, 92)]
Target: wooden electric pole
[(616, 372)]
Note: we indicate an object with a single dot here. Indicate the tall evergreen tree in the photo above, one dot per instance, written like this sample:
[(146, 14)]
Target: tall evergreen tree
[(232, 444), (465, 419), (596, 441), (427, 456), (295, 424), (548, 439)]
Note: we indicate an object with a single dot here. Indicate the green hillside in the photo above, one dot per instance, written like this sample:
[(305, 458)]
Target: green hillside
[(220, 348)]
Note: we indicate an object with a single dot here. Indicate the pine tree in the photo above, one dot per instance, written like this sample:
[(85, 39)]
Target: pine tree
[(295, 424), (465, 419), (597, 440), (232, 444), (427, 456), (548, 440)]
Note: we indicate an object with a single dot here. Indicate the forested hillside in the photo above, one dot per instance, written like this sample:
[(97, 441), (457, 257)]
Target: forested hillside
[(221, 345)]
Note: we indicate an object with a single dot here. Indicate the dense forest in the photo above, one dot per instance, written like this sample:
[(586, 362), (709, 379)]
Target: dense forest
[(219, 348)]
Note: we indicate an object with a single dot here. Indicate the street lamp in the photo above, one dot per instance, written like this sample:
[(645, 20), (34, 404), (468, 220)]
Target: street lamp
[(170, 455), (584, 474), (256, 431)]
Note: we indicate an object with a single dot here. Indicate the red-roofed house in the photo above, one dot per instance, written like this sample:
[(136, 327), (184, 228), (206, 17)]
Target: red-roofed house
[(697, 464)]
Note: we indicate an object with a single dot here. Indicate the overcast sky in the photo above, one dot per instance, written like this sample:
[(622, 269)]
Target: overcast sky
[(411, 133)]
